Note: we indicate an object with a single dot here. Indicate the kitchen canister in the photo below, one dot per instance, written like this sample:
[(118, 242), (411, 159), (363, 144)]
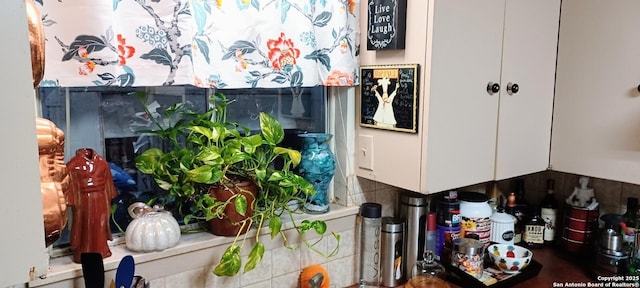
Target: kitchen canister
[(448, 210), (502, 226), (468, 256), (475, 216), (413, 209), (391, 252), (447, 224)]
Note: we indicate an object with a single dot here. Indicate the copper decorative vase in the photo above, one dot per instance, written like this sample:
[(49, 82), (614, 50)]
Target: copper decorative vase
[(231, 223), (36, 41)]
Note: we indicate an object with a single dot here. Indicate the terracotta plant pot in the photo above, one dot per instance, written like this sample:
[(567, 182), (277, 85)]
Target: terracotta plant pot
[(231, 224)]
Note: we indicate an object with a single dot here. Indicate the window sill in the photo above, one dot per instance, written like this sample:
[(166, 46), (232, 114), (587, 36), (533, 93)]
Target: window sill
[(63, 268)]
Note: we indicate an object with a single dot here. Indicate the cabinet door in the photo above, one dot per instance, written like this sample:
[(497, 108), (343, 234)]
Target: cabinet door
[(596, 122), (529, 61), (462, 116), (22, 246)]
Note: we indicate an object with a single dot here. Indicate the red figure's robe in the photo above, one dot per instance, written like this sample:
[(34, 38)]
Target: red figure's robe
[(90, 194)]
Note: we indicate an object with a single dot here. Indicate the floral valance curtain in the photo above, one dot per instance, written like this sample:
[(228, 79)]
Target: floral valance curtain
[(205, 43)]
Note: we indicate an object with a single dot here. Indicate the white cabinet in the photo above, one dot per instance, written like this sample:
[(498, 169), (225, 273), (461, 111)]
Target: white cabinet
[(22, 227), (476, 136), (596, 122), (469, 135)]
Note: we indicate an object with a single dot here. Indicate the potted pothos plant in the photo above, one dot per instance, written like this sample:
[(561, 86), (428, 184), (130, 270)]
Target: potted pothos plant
[(205, 151)]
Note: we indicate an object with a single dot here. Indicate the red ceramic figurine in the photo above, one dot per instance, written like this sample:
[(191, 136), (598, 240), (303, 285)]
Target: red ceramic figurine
[(90, 194)]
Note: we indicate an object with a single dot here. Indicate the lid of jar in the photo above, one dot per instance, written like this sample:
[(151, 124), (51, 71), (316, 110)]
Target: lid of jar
[(468, 196), (501, 217), (428, 266), (392, 225), (371, 210), (449, 196), (413, 198), (468, 246)]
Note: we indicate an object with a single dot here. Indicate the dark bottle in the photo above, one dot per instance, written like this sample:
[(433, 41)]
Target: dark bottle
[(523, 206), (549, 213), (630, 218), (512, 209), (533, 232)]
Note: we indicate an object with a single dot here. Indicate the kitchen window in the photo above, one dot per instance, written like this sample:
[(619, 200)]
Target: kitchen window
[(110, 120)]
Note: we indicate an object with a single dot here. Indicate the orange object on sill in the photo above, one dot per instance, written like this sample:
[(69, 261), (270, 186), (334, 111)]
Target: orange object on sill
[(314, 276)]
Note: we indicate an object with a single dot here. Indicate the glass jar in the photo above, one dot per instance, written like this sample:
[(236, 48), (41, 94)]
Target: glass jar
[(468, 256), (427, 273)]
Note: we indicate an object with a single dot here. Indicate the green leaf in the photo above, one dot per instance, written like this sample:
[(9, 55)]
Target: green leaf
[(275, 225), (255, 256), (294, 155), (261, 174), (271, 129), (319, 226), (164, 185), (206, 132), (230, 263), (241, 204), (305, 225), (251, 143), (276, 176), (201, 174), (207, 154)]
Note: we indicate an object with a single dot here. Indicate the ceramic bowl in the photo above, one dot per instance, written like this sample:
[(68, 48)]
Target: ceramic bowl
[(510, 258)]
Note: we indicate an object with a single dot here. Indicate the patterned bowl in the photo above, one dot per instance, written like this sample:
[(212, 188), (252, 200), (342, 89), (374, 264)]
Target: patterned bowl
[(510, 258)]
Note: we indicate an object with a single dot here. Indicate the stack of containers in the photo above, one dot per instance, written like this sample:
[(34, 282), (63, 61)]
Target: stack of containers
[(448, 224)]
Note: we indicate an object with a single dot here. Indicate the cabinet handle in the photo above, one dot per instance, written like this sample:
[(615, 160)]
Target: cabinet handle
[(512, 88), (493, 87)]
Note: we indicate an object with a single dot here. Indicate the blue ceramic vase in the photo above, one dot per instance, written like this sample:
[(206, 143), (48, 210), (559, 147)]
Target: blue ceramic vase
[(318, 165)]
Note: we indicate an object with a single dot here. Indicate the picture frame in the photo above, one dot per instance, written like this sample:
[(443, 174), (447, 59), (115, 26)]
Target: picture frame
[(389, 97)]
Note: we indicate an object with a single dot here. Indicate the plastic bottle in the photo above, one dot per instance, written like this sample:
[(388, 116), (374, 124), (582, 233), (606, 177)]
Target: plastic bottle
[(475, 216), (371, 214), (430, 235)]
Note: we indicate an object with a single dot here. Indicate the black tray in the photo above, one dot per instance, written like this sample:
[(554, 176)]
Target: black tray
[(463, 279)]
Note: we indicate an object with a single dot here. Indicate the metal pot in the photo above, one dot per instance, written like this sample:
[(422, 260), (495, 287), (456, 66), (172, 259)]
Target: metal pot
[(611, 240)]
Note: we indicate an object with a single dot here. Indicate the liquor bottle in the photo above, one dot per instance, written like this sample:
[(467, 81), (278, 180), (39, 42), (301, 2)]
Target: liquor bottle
[(634, 266), (630, 218), (549, 212), (533, 232), (522, 205), (513, 210)]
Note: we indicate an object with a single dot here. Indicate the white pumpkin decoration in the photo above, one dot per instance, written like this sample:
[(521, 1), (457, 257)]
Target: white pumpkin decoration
[(152, 229)]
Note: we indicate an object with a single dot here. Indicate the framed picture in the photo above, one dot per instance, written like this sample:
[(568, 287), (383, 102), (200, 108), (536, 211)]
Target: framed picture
[(389, 97)]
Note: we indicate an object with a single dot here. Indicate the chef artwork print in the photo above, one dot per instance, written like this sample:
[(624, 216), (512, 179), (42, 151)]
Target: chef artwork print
[(389, 97)]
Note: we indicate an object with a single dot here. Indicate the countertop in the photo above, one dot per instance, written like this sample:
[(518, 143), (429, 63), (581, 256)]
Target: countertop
[(558, 267)]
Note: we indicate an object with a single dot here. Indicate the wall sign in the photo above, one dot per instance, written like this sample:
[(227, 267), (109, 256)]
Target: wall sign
[(389, 97), (386, 24)]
